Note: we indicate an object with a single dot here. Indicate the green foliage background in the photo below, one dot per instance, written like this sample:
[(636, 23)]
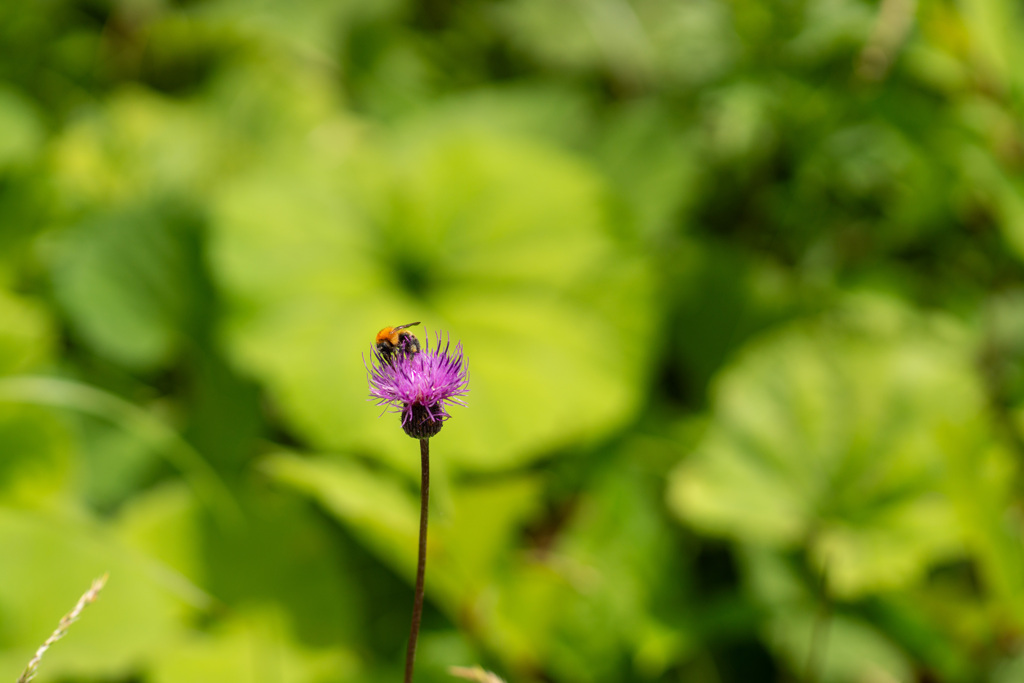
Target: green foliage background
[(739, 285)]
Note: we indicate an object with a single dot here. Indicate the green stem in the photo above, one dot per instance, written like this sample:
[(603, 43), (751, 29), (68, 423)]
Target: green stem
[(816, 653), (421, 564), (72, 395)]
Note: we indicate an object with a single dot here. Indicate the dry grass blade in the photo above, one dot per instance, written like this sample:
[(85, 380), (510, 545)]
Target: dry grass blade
[(62, 628), (474, 674)]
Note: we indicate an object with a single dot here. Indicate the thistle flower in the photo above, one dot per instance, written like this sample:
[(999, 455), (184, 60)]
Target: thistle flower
[(420, 385)]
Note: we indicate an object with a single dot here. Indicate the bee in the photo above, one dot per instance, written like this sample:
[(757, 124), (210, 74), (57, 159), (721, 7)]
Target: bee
[(392, 341)]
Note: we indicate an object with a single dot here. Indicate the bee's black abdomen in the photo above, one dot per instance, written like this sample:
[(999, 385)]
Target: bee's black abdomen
[(408, 344)]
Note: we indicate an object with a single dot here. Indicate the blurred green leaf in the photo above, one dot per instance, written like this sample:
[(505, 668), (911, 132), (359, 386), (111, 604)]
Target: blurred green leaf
[(128, 281), (284, 557), (827, 434), (724, 297), (500, 242), (479, 532), (137, 144), (651, 159), (616, 565), (818, 641), (638, 41), (37, 456), (382, 512), (114, 462), (1009, 670), (23, 132), (309, 26), (740, 123), (994, 27), (49, 562), (982, 481), (467, 543), (166, 524), (833, 29), (147, 429), (1004, 194), (252, 646), (26, 336)]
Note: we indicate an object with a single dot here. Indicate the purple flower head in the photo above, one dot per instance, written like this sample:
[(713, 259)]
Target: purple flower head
[(418, 385)]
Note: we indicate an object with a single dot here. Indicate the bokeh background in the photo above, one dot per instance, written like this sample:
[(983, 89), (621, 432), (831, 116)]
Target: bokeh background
[(739, 285)]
